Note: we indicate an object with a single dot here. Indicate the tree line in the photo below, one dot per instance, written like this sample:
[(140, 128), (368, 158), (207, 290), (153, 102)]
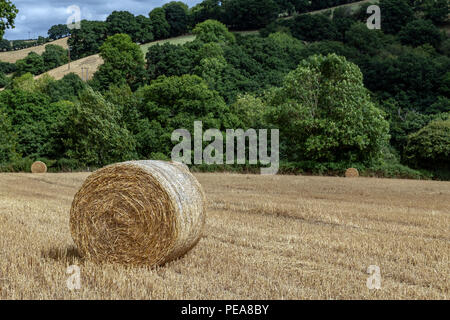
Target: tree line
[(342, 95)]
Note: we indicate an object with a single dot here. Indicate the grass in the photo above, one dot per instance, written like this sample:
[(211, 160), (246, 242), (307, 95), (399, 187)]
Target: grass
[(13, 56), (353, 6), (266, 237), (177, 40)]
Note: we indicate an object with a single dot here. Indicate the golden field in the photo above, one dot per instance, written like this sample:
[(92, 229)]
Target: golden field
[(266, 237), (13, 56)]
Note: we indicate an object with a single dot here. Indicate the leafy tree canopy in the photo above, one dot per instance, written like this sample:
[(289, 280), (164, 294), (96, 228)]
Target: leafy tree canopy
[(213, 31), (324, 113), (8, 12), (123, 62)]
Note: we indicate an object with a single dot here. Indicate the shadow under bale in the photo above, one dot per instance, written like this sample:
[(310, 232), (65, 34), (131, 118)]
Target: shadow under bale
[(69, 255)]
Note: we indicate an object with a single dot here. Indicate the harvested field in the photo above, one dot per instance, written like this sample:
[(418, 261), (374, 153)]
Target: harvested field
[(13, 56), (266, 237), (92, 63)]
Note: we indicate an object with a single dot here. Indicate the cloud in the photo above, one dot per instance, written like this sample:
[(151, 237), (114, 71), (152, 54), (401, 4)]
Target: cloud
[(36, 17)]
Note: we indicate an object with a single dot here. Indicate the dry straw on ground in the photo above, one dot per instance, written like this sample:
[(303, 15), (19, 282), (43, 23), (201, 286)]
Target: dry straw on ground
[(38, 167), (138, 212), (352, 173)]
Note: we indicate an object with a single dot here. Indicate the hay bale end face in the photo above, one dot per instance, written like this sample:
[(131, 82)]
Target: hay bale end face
[(38, 167), (138, 212), (351, 173)]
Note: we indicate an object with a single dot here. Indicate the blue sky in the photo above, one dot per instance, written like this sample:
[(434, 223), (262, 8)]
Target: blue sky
[(37, 16)]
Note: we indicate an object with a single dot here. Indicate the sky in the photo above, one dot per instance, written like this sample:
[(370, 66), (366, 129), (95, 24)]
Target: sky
[(35, 17)]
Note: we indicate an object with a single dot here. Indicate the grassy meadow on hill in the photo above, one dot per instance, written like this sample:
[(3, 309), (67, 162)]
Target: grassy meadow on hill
[(13, 56)]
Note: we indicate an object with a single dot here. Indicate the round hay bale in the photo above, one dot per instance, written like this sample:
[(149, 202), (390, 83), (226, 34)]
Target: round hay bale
[(181, 165), (351, 173), (38, 167), (138, 212)]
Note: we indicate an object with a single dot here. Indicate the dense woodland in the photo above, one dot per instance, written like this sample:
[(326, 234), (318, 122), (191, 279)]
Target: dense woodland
[(341, 94)]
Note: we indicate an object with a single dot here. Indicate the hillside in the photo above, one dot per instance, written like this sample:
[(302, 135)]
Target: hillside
[(94, 61), (13, 56), (353, 6), (90, 62)]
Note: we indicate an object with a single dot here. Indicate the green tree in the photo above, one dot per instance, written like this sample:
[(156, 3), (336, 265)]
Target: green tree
[(366, 40), (169, 59), (8, 12), (122, 22), (213, 31), (176, 17), (8, 139), (293, 6), (123, 63), (430, 147), (145, 30), (419, 32), (88, 39), (249, 14), (54, 56), (32, 63), (3, 80), (92, 133), (30, 117), (343, 19), (171, 103), (5, 45), (207, 9), (324, 113), (314, 27), (58, 31), (160, 26), (68, 88), (436, 11), (395, 14), (251, 111)]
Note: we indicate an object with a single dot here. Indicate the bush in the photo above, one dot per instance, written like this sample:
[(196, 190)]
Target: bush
[(8, 139), (7, 67), (325, 114), (92, 134), (68, 88), (54, 56), (430, 147), (420, 32), (314, 27), (123, 63), (33, 63)]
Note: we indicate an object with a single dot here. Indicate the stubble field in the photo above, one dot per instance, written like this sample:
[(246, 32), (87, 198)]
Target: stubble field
[(266, 237)]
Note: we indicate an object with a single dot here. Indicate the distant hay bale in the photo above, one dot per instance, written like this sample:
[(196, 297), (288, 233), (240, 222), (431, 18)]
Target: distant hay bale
[(38, 167), (351, 173), (138, 212)]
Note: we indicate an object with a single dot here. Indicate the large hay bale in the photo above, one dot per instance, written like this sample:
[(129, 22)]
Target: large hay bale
[(351, 173), (181, 165), (138, 212), (38, 167)]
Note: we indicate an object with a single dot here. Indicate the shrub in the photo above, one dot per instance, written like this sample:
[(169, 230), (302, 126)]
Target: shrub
[(429, 147)]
